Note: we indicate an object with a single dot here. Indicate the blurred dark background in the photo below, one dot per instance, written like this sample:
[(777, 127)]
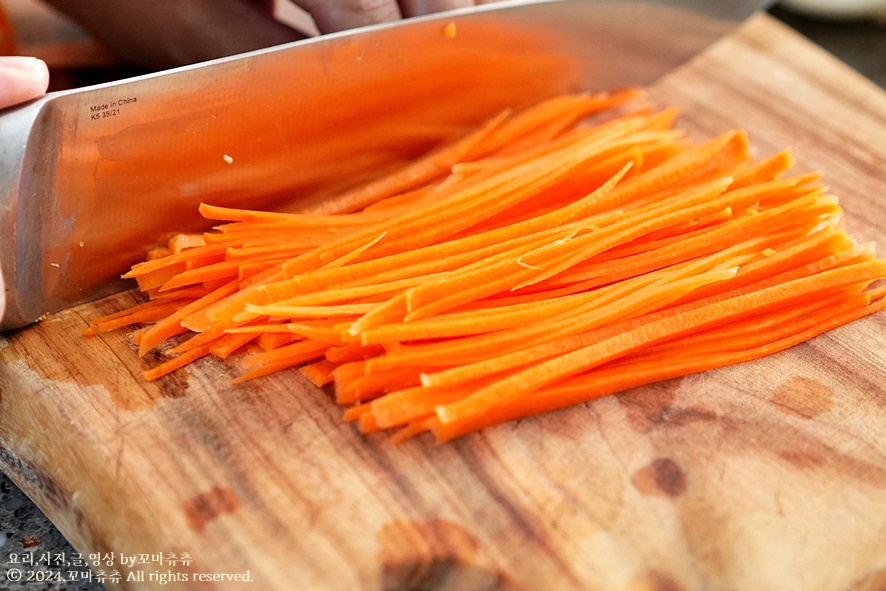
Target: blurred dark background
[(859, 43)]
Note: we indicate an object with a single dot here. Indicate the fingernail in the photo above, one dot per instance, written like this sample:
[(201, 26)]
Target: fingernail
[(18, 62)]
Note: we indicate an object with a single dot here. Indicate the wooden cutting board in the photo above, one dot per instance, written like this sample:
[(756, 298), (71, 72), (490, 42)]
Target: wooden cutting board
[(766, 475)]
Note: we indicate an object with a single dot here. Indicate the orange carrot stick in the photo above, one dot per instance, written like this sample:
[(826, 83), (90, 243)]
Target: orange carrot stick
[(591, 355)]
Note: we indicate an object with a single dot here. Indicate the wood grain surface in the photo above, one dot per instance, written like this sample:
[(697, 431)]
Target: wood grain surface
[(765, 475)]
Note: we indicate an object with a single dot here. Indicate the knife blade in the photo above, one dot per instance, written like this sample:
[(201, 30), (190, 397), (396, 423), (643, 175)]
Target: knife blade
[(91, 177)]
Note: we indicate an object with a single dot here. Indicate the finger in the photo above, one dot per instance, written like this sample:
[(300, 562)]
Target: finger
[(348, 14), (166, 33), (420, 7), (22, 79)]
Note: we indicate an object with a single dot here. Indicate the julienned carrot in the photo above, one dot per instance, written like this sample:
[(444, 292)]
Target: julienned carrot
[(533, 266), (415, 404), (320, 373), (520, 325), (289, 311), (541, 260), (424, 261), (170, 325), (676, 359), (712, 200), (609, 331), (591, 355), (659, 295), (561, 111), (598, 384), (300, 263), (462, 210), (355, 386), (332, 333), (150, 311), (765, 170), (412, 175), (224, 346), (268, 341), (609, 305), (766, 223), (351, 352), (177, 362), (179, 257), (180, 242), (287, 356)]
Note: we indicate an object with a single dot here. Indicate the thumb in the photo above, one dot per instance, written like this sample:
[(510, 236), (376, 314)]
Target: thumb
[(21, 79)]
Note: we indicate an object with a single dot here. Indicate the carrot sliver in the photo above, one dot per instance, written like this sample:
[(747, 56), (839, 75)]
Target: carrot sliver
[(416, 173), (225, 346), (320, 373), (287, 356), (584, 388), (412, 430), (575, 248), (659, 294), (180, 242), (152, 311), (177, 362), (171, 324), (550, 371), (269, 341)]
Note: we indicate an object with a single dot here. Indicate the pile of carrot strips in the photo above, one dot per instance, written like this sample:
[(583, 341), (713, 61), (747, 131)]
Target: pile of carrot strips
[(574, 249)]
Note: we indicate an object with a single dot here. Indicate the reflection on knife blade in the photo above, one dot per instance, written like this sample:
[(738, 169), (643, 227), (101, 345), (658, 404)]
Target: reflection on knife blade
[(93, 175)]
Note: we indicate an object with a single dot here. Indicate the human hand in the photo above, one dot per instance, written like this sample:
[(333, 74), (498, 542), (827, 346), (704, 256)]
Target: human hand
[(349, 14), (21, 79), (166, 33)]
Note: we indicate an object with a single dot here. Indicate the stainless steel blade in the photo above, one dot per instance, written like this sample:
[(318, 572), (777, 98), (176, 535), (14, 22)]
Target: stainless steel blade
[(94, 176)]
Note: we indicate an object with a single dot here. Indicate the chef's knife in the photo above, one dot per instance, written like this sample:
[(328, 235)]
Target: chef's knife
[(90, 178)]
